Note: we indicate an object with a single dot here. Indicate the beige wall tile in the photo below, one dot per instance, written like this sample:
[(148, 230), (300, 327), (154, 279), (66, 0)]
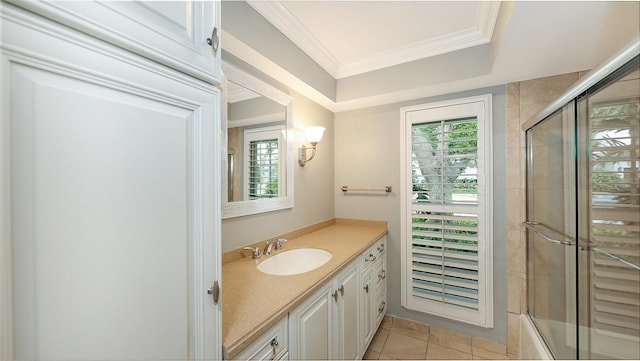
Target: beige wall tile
[(513, 334), (545, 90), (523, 292), (513, 95), (513, 292), (513, 251), (513, 210), (513, 168)]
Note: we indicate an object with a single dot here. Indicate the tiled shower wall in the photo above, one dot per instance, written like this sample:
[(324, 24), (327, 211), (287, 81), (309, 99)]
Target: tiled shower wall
[(524, 100)]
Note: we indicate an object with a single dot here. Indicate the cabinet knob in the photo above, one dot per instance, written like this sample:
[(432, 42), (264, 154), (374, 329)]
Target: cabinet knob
[(366, 288), (381, 248), (214, 40), (335, 296), (382, 275), (370, 257), (341, 289), (382, 306)]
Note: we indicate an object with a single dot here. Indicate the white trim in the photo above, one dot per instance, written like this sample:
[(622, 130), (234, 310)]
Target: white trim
[(283, 20), (451, 109), (420, 50), (289, 25)]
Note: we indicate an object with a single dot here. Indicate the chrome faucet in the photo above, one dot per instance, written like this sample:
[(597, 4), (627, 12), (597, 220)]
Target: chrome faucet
[(255, 252), (278, 242)]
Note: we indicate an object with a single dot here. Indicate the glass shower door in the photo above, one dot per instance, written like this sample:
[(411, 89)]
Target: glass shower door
[(551, 231), (609, 213)]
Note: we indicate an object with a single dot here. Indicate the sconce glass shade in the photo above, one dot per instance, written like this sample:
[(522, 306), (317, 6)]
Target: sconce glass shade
[(314, 133)]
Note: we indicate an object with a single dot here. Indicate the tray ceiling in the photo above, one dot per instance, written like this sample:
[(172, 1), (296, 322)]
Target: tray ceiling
[(352, 37)]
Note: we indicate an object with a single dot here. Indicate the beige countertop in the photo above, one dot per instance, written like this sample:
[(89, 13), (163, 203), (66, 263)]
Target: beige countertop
[(253, 301)]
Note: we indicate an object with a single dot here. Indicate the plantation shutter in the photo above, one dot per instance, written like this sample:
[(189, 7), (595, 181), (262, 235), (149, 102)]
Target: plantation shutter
[(262, 162), (445, 257), (263, 168), (445, 244), (615, 218)]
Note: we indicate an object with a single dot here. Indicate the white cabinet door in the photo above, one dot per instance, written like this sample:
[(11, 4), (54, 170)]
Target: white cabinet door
[(173, 33), (348, 312), (366, 310), (111, 195), (311, 327)]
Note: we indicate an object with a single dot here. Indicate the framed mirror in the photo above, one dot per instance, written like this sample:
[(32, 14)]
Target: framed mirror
[(257, 129)]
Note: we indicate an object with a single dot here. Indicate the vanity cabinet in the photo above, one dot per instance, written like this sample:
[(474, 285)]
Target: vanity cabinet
[(272, 345), (326, 325), (373, 291), (182, 35)]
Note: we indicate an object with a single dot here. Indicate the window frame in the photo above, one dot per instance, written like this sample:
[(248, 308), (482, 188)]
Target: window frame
[(480, 107), (260, 134)]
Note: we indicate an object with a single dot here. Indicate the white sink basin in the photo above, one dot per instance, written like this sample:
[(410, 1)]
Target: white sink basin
[(295, 261)]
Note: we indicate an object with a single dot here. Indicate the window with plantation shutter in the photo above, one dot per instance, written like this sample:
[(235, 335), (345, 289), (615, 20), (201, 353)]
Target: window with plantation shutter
[(262, 165), (446, 209)]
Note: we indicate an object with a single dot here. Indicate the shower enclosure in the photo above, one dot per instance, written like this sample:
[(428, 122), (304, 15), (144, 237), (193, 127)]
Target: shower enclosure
[(583, 216)]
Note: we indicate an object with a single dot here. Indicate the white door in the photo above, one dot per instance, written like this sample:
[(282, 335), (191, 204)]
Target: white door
[(110, 202), (311, 327)]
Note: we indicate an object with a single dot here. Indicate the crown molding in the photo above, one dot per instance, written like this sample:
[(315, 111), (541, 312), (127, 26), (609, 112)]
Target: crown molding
[(245, 53), (420, 50), (294, 30), (283, 20)]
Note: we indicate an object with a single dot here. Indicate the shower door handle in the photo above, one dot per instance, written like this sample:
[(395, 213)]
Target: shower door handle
[(567, 241)]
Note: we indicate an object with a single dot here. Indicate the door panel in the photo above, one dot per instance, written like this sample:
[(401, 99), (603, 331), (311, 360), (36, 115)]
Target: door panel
[(311, 324), (348, 315), (109, 198)]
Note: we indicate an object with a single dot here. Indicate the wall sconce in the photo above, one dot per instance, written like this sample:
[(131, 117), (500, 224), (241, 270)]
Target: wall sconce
[(313, 135)]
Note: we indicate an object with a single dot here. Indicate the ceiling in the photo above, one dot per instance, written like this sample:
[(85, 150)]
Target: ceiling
[(383, 52), (352, 37)]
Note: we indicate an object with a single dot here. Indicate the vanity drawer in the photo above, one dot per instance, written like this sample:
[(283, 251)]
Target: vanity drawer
[(381, 273), (381, 309), (373, 253), (272, 345)]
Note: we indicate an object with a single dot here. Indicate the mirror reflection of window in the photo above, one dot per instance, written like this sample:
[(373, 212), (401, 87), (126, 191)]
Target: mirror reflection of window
[(262, 147), (255, 136)]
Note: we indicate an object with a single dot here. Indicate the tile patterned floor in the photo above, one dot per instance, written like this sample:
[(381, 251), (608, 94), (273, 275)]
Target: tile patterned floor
[(400, 339)]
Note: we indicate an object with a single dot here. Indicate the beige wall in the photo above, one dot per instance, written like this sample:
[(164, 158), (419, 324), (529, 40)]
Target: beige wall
[(313, 187), (524, 100)]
